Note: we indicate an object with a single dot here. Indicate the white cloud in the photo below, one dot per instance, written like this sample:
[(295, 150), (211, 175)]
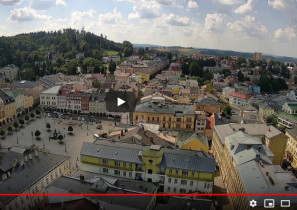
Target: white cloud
[(249, 26), (167, 2), (176, 20), (81, 19), (214, 22), (288, 7), (145, 10), (192, 4), (111, 18), (9, 2), (245, 8), (61, 3), (26, 14), (285, 34), (230, 2)]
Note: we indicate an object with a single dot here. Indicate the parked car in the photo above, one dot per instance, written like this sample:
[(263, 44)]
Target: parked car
[(99, 127)]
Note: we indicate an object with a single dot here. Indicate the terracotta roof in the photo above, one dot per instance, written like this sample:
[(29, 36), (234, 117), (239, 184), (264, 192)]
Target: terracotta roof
[(243, 96)]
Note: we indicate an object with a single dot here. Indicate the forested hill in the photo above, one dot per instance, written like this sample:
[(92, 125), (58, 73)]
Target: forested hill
[(34, 47)]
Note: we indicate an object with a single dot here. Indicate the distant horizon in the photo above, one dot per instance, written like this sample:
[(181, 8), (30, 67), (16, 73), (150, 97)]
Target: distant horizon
[(268, 26)]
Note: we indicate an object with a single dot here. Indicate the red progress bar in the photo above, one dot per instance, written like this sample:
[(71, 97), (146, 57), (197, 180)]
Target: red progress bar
[(148, 194)]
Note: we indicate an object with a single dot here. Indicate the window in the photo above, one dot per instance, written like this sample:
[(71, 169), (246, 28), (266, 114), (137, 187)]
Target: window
[(191, 183), (46, 180), (157, 119), (169, 119), (193, 173), (174, 190), (104, 161), (178, 119), (184, 172), (52, 177), (149, 180), (42, 185), (168, 189), (117, 163), (151, 161), (130, 165), (175, 181), (169, 180), (36, 189), (182, 190), (149, 171), (117, 172), (22, 199), (130, 174), (60, 170), (176, 171), (170, 171), (183, 182), (124, 173), (105, 170), (124, 164)]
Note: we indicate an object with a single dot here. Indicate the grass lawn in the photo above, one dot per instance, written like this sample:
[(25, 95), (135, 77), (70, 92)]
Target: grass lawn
[(111, 52)]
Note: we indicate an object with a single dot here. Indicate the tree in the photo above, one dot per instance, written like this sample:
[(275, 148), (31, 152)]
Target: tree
[(240, 76), (96, 84), (37, 134), (27, 118), (32, 115), (282, 128), (127, 48), (226, 72), (37, 112), (9, 129), (70, 129), (15, 125), (271, 120), (2, 133), (209, 88), (48, 126), (22, 122), (227, 110), (195, 69), (60, 137), (112, 67)]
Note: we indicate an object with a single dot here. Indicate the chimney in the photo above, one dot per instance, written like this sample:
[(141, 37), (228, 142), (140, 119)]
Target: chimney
[(269, 129)]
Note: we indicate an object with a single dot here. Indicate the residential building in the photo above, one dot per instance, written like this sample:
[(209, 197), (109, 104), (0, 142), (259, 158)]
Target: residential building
[(265, 109), (291, 155), (176, 170), (49, 98), (292, 95), (29, 172), (192, 141), (290, 107), (10, 72), (144, 134), (165, 115), (74, 101), (240, 99), (257, 56), (28, 102), (122, 77), (270, 136), (19, 99), (97, 103), (8, 111), (31, 88), (246, 167), (90, 183), (207, 104), (255, 89), (201, 121)]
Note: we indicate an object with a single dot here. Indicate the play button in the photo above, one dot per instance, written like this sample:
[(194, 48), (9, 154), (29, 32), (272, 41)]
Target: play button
[(120, 101)]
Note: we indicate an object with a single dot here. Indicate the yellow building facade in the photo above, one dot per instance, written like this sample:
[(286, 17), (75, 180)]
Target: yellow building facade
[(153, 164), (291, 148)]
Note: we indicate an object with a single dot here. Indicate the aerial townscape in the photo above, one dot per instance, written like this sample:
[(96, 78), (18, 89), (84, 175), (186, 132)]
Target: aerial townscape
[(148, 105)]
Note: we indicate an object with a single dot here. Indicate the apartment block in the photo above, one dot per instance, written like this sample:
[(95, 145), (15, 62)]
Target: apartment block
[(176, 170)]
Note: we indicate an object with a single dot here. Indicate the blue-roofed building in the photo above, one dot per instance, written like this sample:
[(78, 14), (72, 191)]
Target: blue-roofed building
[(255, 89), (177, 170)]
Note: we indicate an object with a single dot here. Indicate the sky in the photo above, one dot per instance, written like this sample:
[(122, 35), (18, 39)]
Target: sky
[(267, 26)]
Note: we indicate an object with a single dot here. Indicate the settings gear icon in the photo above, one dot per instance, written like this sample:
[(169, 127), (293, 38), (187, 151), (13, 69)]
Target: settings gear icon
[(253, 203)]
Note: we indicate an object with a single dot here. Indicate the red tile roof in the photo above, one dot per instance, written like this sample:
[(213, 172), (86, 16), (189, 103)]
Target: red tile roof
[(210, 123), (243, 96)]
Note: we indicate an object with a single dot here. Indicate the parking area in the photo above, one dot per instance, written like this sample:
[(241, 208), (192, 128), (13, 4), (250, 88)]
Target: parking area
[(82, 132)]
